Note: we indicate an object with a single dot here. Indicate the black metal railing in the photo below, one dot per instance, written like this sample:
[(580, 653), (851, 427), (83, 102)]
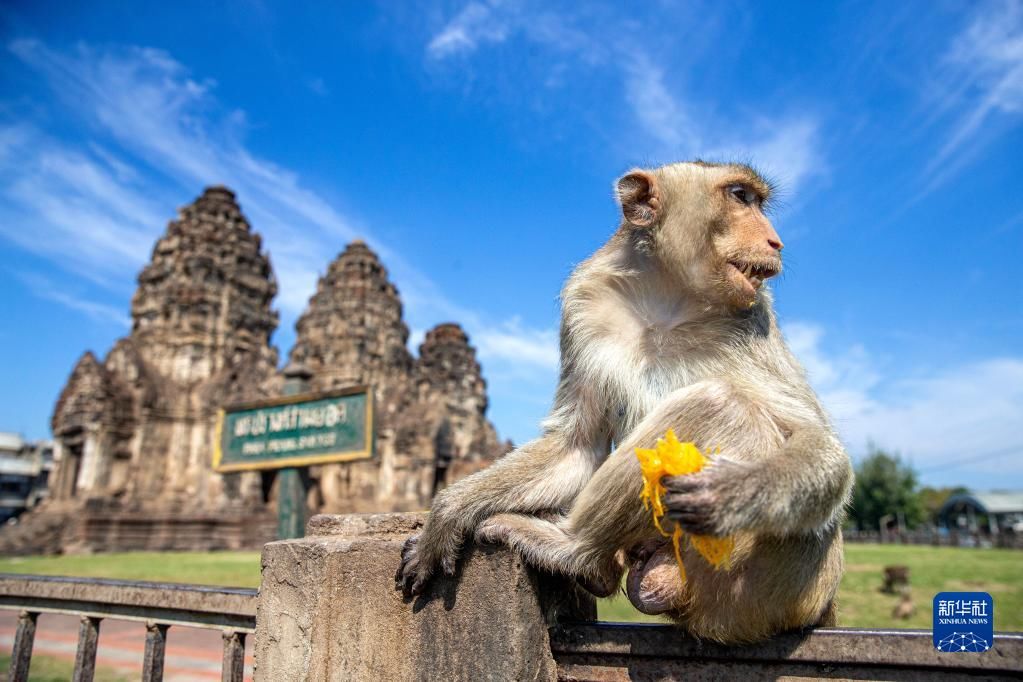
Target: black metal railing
[(618, 651), (158, 605)]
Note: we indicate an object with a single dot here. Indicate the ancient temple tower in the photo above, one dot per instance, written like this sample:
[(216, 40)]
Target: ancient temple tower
[(353, 333), (137, 430), (448, 378), (203, 301)]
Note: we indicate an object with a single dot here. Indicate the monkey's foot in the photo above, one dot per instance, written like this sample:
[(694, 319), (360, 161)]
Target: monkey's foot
[(409, 578), (601, 586), (414, 571), (654, 584), (493, 531)]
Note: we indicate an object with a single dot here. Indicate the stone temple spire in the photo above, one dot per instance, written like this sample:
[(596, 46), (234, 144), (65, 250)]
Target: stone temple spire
[(453, 395), (204, 300), (352, 332), (447, 366)]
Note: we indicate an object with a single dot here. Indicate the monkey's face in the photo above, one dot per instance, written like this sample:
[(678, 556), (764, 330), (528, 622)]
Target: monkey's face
[(745, 250), (707, 226)]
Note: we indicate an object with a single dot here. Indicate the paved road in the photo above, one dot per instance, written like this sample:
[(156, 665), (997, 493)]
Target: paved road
[(192, 654)]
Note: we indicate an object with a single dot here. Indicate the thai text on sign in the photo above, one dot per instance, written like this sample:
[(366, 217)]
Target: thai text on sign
[(295, 431)]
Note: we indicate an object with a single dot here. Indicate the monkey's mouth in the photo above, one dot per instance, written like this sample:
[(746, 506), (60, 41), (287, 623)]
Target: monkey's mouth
[(755, 273)]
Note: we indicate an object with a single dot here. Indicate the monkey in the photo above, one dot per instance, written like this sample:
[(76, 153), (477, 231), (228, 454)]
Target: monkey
[(904, 609), (670, 325)]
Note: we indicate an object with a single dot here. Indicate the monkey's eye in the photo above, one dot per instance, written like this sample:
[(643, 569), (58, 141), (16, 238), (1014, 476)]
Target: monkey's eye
[(743, 194)]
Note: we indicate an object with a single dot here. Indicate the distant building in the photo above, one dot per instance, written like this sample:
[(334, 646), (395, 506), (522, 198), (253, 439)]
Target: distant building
[(990, 512), (24, 474)]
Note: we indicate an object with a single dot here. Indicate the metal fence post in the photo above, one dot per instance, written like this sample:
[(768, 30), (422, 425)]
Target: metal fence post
[(24, 638), (233, 669), (85, 656), (156, 645)]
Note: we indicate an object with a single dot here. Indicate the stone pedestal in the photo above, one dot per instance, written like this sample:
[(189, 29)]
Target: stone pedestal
[(328, 610)]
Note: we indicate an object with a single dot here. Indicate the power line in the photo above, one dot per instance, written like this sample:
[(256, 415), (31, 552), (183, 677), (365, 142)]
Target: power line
[(993, 454)]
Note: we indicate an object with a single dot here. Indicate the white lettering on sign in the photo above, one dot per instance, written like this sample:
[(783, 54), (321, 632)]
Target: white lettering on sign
[(307, 442), (262, 422)]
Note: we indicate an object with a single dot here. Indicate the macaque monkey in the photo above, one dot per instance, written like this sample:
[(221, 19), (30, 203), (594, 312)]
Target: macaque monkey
[(668, 325)]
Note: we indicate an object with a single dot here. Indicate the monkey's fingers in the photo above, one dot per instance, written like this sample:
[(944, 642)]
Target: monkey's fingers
[(418, 585), (684, 484), (407, 550), (695, 520), (698, 500), (697, 525), (409, 564), (410, 546), (693, 511), (399, 577), (414, 579)]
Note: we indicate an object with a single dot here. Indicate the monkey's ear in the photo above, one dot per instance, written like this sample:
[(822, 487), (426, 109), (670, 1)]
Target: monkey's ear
[(640, 198)]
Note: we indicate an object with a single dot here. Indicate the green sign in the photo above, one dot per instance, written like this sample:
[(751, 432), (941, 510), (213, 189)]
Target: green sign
[(296, 431)]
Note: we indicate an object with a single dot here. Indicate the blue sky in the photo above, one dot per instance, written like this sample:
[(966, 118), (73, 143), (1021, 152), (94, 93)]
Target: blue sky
[(474, 146)]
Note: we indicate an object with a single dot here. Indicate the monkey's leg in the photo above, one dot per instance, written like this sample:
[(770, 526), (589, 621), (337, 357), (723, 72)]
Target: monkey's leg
[(543, 474), (774, 584)]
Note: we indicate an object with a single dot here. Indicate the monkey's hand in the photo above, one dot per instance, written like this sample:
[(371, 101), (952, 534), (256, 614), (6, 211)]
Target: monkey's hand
[(718, 500), (421, 556)]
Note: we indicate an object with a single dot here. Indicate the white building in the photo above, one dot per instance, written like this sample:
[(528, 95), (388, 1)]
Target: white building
[(24, 474), (999, 511)]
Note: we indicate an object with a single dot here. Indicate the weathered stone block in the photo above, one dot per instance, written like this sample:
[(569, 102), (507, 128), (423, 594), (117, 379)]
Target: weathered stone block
[(328, 610)]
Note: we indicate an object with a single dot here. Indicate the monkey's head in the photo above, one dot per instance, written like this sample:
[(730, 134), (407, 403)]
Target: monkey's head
[(704, 224)]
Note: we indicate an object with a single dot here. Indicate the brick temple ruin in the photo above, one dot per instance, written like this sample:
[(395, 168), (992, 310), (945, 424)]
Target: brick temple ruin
[(134, 432)]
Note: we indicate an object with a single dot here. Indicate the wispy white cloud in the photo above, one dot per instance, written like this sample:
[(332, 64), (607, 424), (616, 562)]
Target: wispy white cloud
[(147, 102), (521, 367), (318, 86), (668, 127), (844, 380), (99, 312), (982, 76), (512, 343), (72, 206), (790, 150), (476, 23), (935, 418), (657, 110)]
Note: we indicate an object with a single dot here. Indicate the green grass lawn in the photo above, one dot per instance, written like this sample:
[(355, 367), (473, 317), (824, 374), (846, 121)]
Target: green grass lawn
[(233, 569), (932, 570), (49, 669)]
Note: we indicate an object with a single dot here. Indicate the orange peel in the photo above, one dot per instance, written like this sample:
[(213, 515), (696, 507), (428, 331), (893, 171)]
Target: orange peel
[(671, 457)]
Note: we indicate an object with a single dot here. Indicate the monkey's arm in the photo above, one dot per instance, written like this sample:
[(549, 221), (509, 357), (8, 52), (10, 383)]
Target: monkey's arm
[(544, 474), (799, 487)]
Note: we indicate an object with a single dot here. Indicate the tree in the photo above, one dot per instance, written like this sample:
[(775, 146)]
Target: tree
[(933, 499), (885, 485)]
